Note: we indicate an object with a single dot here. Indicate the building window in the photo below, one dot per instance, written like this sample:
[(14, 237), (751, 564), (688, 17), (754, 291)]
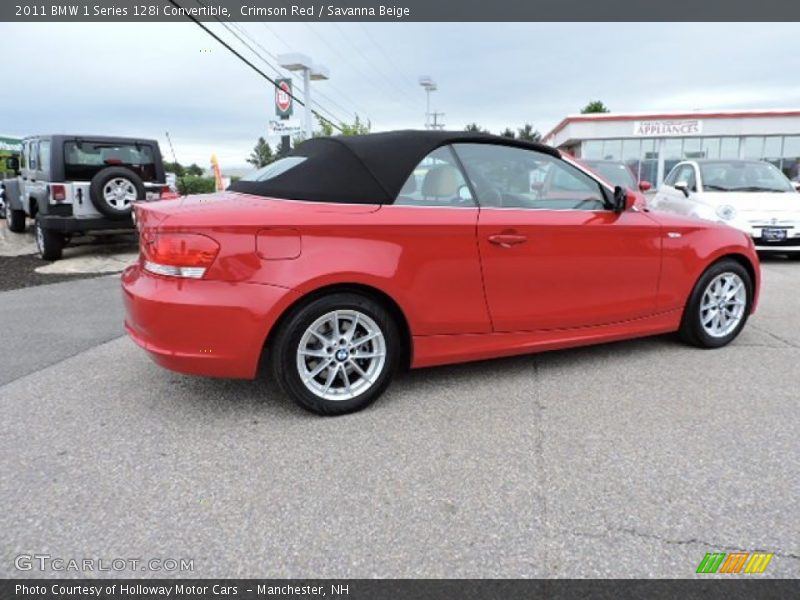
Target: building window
[(711, 147), (729, 148), (592, 149), (612, 150), (693, 148), (791, 157), (753, 147)]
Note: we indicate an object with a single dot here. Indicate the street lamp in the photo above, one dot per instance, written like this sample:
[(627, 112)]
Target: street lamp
[(430, 86), (295, 61)]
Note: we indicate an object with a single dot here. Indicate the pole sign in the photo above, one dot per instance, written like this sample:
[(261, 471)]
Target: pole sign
[(283, 98)]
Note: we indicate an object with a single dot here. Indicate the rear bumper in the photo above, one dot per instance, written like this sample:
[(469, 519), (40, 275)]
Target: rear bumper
[(79, 225), (201, 327)]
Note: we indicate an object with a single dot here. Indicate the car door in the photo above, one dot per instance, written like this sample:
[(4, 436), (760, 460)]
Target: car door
[(433, 221), (553, 257)]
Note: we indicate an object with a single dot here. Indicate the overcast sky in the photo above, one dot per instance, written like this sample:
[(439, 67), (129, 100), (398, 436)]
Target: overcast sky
[(143, 80)]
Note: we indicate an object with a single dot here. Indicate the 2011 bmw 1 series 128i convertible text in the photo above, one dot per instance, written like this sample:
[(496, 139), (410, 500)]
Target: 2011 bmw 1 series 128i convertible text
[(357, 256)]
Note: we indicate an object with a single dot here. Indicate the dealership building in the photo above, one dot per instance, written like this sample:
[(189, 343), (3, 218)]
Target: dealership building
[(651, 144)]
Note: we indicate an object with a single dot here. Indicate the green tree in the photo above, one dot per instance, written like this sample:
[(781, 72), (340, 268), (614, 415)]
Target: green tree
[(175, 167), (261, 154), (595, 106), (528, 133), (194, 170), (509, 133), (475, 128)]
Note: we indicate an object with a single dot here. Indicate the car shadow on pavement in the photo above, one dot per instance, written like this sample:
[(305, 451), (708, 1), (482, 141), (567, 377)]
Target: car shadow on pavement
[(262, 397)]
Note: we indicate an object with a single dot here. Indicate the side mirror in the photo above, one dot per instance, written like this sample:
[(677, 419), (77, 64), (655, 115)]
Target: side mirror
[(682, 186), (645, 185), (623, 200)]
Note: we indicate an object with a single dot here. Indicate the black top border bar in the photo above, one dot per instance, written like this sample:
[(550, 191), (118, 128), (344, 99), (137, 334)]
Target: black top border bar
[(403, 10)]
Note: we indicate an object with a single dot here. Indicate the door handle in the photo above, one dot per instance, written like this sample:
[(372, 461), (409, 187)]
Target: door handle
[(506, 240)]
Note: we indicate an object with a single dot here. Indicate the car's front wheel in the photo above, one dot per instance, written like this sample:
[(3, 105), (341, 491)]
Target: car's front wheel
[(336, 354), (15, 219), (719, 305)]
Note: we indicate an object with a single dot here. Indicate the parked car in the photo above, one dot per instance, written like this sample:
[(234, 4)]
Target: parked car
[(356, 256), (81, 184), (753, 196), (617, 173)]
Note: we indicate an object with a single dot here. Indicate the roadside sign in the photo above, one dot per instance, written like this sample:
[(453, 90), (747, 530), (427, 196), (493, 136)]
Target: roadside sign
[(283, 98), (284, 128)]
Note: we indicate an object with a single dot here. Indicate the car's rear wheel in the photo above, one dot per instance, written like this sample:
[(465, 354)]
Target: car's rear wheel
[(336, 354), (719, 305), (49, 243), (15, 219)]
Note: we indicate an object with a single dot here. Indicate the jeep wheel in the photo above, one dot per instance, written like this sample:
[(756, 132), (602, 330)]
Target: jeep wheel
[(49, 243), (114, 190), (15, 219)]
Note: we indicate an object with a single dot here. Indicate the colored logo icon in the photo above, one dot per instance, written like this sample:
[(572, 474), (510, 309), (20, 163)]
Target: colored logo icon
[(736, 562)]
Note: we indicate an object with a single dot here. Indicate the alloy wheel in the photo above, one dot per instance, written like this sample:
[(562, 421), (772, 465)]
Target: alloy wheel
[(723, 304), (341, 355)]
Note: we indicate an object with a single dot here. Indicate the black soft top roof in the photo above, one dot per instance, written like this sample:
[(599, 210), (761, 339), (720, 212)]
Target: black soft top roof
[(364, 169)]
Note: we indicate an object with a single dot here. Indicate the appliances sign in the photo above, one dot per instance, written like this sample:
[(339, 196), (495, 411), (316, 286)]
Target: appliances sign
[(668, 128)]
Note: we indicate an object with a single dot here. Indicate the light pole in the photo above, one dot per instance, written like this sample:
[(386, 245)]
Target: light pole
[(430, 86), (295, 61)]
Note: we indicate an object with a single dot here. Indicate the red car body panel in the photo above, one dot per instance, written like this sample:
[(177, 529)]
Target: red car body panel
[(576, 277)]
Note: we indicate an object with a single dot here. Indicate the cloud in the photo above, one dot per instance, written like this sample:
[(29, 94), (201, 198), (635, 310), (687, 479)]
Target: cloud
[(145, 79)]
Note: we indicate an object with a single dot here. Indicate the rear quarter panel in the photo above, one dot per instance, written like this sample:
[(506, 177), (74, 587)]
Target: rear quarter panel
[(426, 260)]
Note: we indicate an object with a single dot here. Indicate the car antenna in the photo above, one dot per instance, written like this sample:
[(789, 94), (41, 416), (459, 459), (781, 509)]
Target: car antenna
[(175, 160)]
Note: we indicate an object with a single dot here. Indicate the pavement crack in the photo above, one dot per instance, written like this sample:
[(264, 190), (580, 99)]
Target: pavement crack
[(775, 336), (677, 542)]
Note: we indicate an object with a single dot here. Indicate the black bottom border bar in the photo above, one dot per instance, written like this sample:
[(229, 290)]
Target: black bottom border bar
[(396, 589)]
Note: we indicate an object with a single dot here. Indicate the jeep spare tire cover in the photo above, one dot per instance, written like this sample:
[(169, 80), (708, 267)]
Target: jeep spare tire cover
[(114, 190)]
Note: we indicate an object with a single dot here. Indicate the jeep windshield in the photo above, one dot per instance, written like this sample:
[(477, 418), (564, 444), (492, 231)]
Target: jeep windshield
[(84, 159)]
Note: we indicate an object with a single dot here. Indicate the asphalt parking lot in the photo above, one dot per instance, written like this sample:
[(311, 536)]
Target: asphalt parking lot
[(625, 460)]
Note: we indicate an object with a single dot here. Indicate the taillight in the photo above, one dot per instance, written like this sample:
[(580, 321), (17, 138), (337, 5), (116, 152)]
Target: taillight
[(58, 192), (178, 254)]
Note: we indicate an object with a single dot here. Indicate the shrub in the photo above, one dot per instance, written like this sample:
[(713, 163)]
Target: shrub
[(192, 184)]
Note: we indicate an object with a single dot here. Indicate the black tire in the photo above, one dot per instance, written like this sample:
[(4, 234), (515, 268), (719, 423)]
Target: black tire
[(15, 219), (794, 256), (692, 330), (108, 176), (49, 243), (284, 346)]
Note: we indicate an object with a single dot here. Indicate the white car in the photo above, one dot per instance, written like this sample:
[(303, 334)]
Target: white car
[(753, 196)]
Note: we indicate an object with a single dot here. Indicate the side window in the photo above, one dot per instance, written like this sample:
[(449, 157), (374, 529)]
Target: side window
[(509, 177), (436, 181), (672, 177), (685, 174), (23, 163), (44, 156), (33, 158)]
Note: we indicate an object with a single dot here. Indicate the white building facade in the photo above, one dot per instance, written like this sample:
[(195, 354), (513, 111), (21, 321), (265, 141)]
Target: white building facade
[(651, 144)]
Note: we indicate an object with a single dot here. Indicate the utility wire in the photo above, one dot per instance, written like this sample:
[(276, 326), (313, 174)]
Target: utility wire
[(377, 69), (251, 65), (280, 72)]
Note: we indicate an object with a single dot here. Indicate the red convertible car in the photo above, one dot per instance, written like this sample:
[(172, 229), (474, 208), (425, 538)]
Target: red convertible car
[(357, 256)]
